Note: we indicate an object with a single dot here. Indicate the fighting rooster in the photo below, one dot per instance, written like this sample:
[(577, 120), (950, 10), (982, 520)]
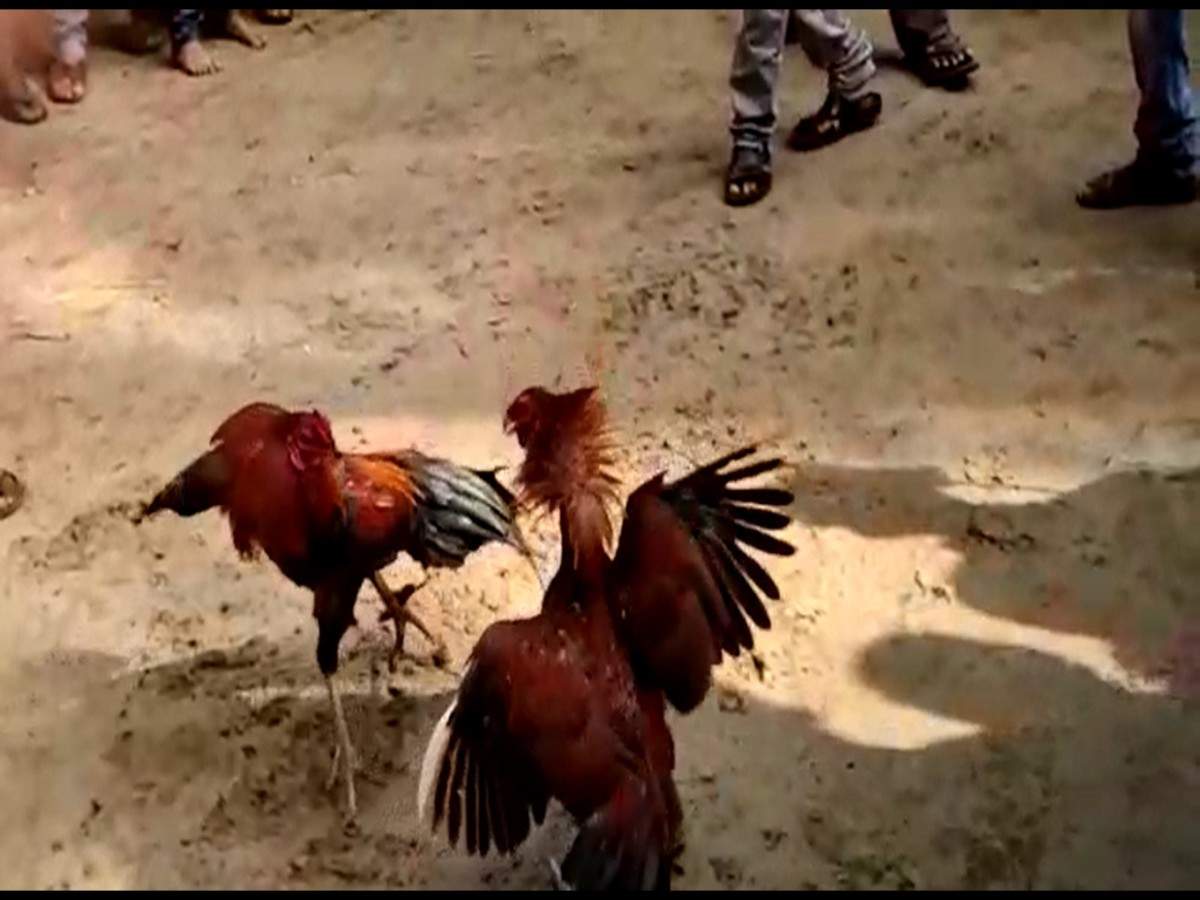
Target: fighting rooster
[(570, 704), (331, 520)]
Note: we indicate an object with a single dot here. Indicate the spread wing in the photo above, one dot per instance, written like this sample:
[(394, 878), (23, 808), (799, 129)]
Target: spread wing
[(482, 777), (683, 584)]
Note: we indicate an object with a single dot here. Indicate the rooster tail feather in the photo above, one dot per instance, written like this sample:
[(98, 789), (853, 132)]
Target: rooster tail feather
[(431, 765), (622, 846), (198, 488), (459, 510)]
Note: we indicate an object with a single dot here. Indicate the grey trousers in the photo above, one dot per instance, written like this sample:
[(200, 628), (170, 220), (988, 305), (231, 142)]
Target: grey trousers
[(70, 35), (830, 41)]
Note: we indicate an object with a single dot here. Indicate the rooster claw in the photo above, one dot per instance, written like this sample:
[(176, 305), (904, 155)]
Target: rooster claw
[(441, 656)]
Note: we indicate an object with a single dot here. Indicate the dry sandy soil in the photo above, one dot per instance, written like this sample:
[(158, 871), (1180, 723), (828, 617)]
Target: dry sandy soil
[(977, 676)]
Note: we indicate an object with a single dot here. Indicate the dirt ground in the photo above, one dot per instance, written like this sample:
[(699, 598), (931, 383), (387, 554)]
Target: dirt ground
[(977, 676)]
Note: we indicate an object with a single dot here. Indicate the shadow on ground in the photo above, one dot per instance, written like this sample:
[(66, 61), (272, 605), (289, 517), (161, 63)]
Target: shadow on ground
[(209, 772), (1117, 558)]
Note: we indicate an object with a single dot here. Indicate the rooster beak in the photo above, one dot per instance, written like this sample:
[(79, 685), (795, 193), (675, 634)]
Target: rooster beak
[(510, 427)]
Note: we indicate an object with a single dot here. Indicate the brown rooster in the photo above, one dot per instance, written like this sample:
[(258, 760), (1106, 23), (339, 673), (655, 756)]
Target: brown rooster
[(570, 704), (331, 520)]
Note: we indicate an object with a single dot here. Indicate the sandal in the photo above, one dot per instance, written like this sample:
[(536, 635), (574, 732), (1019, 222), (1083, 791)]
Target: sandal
[(1137, 184), (836, 118), (22, 103), (12, 493), (748, 178), (67, 84), (947, 67), (275, 16)]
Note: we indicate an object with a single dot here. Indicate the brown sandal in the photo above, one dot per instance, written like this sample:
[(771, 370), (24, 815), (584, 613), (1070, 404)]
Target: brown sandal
[(22, 103), (12, 493)]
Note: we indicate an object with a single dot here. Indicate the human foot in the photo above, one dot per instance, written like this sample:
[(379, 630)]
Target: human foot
[(21, 102), (193, 59), (67, 83), (238, 28)]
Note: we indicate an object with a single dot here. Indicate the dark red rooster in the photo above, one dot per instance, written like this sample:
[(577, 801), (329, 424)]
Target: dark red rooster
[(331, 520), (570, 704)]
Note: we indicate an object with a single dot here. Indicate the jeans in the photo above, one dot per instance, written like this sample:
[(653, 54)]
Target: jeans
[(831, 43), (184, 26), (1166, 118)]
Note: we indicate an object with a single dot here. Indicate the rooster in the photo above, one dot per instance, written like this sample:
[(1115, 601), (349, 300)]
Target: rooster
[(331, 520), (570, 704)]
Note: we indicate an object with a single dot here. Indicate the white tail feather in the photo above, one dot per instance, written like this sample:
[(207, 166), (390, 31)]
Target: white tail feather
[(431, 764)]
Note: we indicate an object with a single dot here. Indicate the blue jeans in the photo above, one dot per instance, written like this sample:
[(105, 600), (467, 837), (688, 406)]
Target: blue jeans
[(184, 26), (1166, 118)]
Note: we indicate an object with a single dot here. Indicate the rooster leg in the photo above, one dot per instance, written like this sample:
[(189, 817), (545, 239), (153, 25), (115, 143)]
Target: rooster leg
[(343, 750), (397, 610)]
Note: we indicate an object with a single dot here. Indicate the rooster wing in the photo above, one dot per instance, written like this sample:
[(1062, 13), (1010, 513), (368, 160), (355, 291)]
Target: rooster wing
[(681, 584), (537, 716)]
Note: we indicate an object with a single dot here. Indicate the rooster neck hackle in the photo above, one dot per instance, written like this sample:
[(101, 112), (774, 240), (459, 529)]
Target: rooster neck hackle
[(567, 469)]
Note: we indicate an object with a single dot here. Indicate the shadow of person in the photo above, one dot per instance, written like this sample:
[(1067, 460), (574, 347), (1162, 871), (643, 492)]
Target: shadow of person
[(1117, 558), (1073, 779), (1084, 781), (207, 771), (1068, 781)]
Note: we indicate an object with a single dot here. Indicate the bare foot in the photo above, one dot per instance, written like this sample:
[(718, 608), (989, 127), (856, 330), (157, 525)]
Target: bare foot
[(67, 84), (21, 102), (275, 16), (195, 60), (239, 29)]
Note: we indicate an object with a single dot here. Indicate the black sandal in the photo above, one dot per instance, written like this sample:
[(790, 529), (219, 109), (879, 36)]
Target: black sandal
[(947, 67), (748, 178), (1137, 184), (836, 118)]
